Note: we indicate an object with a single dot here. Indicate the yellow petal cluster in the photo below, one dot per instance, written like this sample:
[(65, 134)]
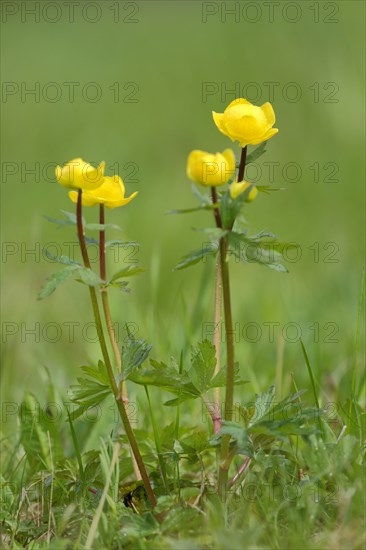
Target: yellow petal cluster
[(211, 169), (244, 122), (111, 193), (78, 174), (96, 187), (237, 188)]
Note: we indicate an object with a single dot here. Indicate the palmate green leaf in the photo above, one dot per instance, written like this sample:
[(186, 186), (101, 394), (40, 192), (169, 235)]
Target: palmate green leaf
[(219, 380), (91, 391), (88, 277), (65, 260), (128, 271), (167, 378), (195, 442), (121, 285), (263, 402), (248, 250), (134, 353), (304, 422), (288, 417), (55, 280), (84, 274), (203, 360), (99, 373), (238, 434), (204, 198), (70, 219), (209, 249)]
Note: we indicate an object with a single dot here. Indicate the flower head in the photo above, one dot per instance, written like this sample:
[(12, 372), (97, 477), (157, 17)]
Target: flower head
[(111, 193), (237, 188), (211, 169), (244, 122), (78, 174)]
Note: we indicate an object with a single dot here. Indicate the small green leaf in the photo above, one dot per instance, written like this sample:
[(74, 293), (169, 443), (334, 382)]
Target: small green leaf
[(203, 365), (91, 391), (268, 189), (121, 285), (256, 153), (239, 434), (128, 271), (60, 223), (203, 198), (214, 233), (71, 216), (88, 277), (134, 353), (194, 209), (61, 259), (55, 280), (209, 249), (167, 378), (250, 250), (101, 227), (219, 380), (230, 208)]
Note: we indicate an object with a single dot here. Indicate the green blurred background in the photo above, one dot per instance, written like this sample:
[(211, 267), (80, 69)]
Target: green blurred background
[(311, 53)]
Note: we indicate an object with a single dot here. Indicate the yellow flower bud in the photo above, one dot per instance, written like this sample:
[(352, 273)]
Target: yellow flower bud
[(237, 188), (210, 169), (111, 193), (78, 174), (244, 122)]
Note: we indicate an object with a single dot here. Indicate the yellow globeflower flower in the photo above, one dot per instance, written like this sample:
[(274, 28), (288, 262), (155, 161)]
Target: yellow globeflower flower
[(211, 169), (237, 188), (111, 193), (78, 174), (244, 122)]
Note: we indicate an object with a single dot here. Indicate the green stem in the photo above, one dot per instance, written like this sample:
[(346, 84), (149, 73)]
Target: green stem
[(157, 442), (109, 322), (229, 395), (103, 346), (225, 458), (217, 342)]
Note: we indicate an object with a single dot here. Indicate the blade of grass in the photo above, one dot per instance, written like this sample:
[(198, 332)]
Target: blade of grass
[(312, 380), (176, 434), (357, 339), (157, 442), (76, 445), (98, 513)]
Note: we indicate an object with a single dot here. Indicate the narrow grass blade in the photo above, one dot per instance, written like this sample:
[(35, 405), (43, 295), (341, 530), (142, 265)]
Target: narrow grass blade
[(76, 445)]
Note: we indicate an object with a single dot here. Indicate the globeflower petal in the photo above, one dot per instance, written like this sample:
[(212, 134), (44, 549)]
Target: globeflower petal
[(269, 113), (270, 133), (210, 169), (111, 193), (78, 174), (218, 119), (244, 122)]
